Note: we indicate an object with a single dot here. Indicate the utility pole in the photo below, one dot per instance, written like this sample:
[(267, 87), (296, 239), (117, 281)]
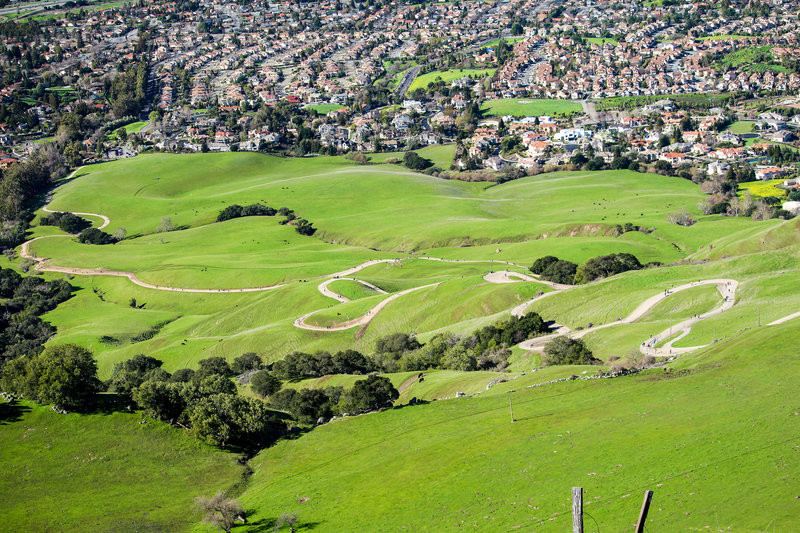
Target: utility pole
[(511, 408), (577, 509), (648, 496)]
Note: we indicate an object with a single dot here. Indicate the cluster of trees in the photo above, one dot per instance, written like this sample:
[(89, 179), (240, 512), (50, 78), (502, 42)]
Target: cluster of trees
[(553, 269), (127, 90), (414, 161), (63, 375), (74, 224), (310, 405), (630, 226), (724, 197), (67, 222), (252, 210), (605, 266), (205, 401), (301, 225), (779, 155), (487, 348), (22, 301), (590, 161), (567, 351), (20, 185), (297, 365), (96, 236)]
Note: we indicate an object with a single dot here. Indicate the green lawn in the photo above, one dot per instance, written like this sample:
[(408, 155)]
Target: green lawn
[(741, 126), (441, 155), (324, 109), (422, 81), (630, 102), (602, 40), (133, 127), (104, 472), (529, 107), (725, 37), (509, 40)]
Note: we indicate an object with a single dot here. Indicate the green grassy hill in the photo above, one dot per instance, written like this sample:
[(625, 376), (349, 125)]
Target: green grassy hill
[(714, 433), (720, 419), (104, 472), (569, 214)]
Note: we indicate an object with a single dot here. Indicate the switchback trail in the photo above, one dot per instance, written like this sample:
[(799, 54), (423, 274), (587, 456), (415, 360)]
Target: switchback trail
[(726, 287)]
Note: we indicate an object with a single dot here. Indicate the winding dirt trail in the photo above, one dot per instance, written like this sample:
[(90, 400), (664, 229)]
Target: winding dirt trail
[(506, 276), (42, 264), (106, 220), (323, 288), (360, 321), (726, 287)]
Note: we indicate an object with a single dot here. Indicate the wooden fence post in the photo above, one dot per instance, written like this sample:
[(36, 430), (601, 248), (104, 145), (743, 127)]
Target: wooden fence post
[(577, 509), (511, 408), (648, 496)]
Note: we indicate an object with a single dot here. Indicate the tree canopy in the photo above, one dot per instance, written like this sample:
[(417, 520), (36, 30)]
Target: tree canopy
[(64, 375)]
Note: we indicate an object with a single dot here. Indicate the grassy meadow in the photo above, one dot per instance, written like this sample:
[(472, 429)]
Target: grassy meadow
[(719, 420), (324, 109), (132, 476), (133, 127), (441, 154), (742, 126)]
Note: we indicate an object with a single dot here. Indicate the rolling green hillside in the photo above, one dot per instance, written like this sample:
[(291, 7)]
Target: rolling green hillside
[(714, 432), (570, 214), (104, 472), (720, 419)]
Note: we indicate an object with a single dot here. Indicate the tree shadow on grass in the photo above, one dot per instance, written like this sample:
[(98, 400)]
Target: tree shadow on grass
[(107, 403), (12, 412), (268, 524)]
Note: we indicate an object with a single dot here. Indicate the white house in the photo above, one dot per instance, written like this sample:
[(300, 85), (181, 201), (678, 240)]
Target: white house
[(572, 134)]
